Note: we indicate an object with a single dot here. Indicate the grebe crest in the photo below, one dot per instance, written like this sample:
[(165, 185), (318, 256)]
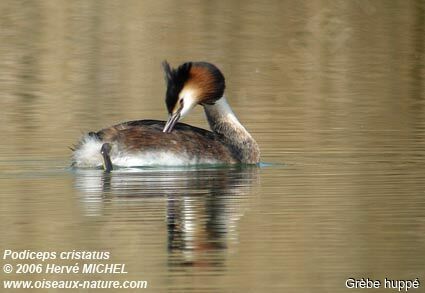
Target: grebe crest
[(190, 84), (202, 83)]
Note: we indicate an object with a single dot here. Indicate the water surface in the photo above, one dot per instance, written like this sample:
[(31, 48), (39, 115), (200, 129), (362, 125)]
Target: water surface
[(333, 91)]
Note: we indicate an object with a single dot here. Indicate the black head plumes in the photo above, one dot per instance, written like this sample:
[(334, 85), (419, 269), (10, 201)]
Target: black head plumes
[(175, 79)]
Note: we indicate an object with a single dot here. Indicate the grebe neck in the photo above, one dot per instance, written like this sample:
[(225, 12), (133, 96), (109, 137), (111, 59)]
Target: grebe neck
[(223, 121)]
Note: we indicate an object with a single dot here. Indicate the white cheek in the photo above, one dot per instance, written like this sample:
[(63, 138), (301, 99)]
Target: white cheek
[(189, 101), (186, 109)]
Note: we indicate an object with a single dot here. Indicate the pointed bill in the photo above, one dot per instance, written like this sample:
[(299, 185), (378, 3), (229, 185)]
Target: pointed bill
[(171, 122)]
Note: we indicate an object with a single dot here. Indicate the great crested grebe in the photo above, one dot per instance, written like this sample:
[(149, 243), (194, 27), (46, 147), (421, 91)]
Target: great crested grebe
[(153, 142)]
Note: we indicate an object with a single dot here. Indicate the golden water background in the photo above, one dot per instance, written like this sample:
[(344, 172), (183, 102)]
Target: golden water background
[(333, 91)]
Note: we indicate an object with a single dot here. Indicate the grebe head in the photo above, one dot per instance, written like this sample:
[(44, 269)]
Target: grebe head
[(190, 84)]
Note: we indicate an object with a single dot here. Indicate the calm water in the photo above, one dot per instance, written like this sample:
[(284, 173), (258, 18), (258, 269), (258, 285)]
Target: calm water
[(333, 91)]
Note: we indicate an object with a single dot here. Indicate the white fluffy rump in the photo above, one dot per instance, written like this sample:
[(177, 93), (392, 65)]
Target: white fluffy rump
[(87, 155)]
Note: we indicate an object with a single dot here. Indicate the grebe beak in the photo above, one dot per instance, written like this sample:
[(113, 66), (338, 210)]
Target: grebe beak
[(171, 122)]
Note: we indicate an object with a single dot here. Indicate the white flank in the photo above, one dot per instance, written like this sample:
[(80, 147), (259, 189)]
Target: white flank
[(157, 158), (88, 156)]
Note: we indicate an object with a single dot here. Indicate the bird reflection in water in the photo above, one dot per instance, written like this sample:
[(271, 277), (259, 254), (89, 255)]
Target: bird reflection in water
[(203, 206)]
